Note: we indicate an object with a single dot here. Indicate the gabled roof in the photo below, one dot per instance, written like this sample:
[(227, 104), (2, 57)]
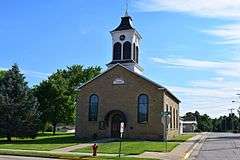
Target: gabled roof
[(141, 76)]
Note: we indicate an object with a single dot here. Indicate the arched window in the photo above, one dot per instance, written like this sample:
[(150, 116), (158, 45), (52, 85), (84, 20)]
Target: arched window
[(143, 108), (134, 52), (171, 118), (117, 49), (93, 108), (127, 50), (137, 50), (177, 123), (167, 110)]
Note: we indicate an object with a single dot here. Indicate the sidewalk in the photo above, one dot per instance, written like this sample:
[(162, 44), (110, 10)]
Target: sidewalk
[(50, 154), (82, 145), (182, 151)]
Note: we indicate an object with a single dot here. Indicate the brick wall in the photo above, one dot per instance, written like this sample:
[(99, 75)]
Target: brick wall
[(122, 97)]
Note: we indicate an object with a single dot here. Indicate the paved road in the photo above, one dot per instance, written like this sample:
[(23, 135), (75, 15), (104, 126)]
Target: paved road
[(3, 157), (219, 146)]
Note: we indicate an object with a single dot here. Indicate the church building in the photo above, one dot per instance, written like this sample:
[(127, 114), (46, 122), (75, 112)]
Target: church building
[(123, 94)]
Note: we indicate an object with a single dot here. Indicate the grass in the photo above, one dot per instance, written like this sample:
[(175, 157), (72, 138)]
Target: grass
[(43, 142), (47, 142), (70, 156), (182, 138), (131, 147)]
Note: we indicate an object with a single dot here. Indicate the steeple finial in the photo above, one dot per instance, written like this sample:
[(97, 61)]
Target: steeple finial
[(126, 11)]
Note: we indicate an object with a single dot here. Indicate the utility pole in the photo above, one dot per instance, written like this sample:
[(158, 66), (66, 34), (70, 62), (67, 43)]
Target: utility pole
[(231, 111), (225, 123), (238, 110)]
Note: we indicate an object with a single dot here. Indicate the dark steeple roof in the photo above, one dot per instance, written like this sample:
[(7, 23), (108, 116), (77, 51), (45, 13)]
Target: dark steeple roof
[(121, 61), (125, 24)]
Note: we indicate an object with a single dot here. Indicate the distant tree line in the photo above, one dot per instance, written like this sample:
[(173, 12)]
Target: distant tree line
[(230, 123), (25, 111)]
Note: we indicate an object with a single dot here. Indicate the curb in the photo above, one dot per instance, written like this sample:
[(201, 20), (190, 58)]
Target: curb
[(50, 154), (198, 143)]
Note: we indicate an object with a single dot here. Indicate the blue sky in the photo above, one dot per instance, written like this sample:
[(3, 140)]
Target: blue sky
[(189, 46)]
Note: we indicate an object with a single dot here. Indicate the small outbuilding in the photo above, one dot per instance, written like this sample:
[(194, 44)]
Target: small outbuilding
[(187, 126)]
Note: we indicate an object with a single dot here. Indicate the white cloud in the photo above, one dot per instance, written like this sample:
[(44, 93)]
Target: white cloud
[(221, 9), (211, 95), (35, 74), (229, 33), (205, 8), (204, 92), (31, 73), (205, 99), (227, 68)]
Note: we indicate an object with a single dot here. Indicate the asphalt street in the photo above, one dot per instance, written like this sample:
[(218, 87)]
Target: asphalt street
[(3, 157), (219, 146)]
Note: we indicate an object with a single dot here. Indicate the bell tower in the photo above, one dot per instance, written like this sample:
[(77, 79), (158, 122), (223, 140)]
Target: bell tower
[(125, 45)]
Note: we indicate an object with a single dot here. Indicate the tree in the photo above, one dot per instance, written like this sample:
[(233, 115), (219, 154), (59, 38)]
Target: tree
[(2, 73), (205, 123), (18, 107), (189, 116), (54, 105), (58, 94), (232, 122)]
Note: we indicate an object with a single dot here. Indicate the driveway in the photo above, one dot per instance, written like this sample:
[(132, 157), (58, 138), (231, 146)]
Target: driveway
[(219, 146), (3, 157)]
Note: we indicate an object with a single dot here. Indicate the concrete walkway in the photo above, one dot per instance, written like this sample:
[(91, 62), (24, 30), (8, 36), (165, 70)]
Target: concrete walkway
[(82, 145), (50, 154), (182, 151)]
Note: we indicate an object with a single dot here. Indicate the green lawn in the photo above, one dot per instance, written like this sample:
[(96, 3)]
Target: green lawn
[(131, 147), (182, 138), (46, 142), (70, 155), (137, 147), (43, 142)]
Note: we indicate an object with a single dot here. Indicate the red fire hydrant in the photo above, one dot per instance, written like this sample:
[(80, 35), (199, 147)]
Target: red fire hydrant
[(94, 148)]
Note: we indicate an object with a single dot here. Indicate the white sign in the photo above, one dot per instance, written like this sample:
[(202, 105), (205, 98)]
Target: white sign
[(121, 127), (118, 81)]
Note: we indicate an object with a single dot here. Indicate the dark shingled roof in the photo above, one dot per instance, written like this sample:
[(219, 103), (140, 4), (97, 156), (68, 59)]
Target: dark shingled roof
[(122, 61), (125, 24)]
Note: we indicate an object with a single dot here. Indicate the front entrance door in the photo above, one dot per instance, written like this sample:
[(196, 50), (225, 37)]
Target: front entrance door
[(115, 126)]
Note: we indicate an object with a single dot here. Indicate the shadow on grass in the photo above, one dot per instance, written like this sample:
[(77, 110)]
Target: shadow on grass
[(50, 139), (144, 140), (69, 138)]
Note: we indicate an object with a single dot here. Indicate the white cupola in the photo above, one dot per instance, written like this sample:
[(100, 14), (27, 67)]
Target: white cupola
[(125, 45)]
